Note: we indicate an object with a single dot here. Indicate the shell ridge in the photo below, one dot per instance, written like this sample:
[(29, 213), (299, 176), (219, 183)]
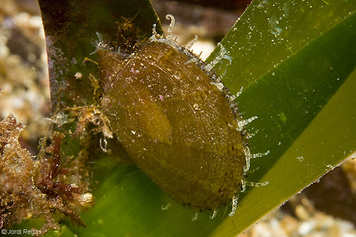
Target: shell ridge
[(115, 75), (193, 58), (197, 119), (174, 82)]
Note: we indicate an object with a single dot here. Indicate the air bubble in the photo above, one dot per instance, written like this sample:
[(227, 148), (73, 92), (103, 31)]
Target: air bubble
[(300, 158), (165, 208), (214, 213), (196, 216)]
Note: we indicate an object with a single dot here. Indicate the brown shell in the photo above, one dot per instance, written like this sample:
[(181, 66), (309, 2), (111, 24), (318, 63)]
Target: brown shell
[(174, 123)]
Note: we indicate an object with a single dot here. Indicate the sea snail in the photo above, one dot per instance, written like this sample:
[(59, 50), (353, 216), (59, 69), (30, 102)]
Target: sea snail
[(175, 120)]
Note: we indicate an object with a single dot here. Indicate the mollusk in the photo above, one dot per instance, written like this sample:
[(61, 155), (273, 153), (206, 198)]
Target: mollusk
[(175, 119)]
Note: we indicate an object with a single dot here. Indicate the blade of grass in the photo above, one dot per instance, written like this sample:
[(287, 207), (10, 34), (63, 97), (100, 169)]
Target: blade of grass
[(70, 28), (328, 140), (269, 32), (288, 93)]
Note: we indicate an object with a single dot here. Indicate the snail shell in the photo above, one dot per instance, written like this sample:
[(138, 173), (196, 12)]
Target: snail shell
[(175, 124)]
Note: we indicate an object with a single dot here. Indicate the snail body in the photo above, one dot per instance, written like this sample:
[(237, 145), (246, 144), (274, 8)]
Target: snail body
[(174, 122)]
